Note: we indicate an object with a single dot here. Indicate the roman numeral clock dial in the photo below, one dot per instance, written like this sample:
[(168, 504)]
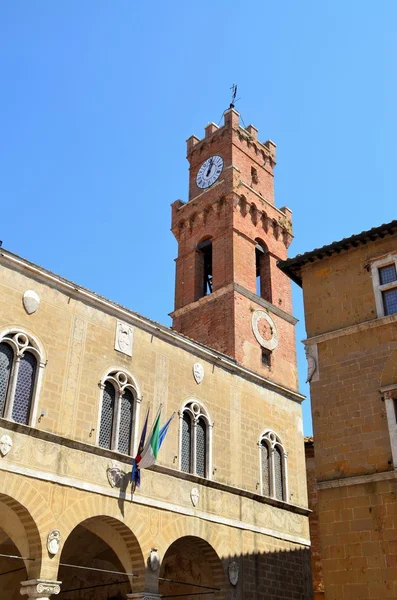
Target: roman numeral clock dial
[(209, 171)]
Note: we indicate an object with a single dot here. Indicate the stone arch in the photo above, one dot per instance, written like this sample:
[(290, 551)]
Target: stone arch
[(389, 373), (192, 561), (106, 544), (93, 510), (186, 526), (21, 528)]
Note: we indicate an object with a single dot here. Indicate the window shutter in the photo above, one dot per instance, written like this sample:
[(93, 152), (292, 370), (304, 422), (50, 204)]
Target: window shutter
[(265, 469), (6, 357), (125, 427), (107, 416), (24, 388), (278, 473), (186, 458), (201, 453)]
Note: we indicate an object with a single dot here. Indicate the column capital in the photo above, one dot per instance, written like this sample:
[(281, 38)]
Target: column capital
[(40, 588)]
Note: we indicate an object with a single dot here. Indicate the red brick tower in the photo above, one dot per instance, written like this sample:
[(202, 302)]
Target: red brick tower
[(229, 293)]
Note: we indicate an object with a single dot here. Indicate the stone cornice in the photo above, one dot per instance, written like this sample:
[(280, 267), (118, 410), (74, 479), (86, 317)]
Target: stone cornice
[(350, 330), (267, 305), (53, 438), (152, 327), (356, 480)]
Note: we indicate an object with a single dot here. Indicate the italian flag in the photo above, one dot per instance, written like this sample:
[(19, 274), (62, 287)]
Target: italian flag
[(151, 449)]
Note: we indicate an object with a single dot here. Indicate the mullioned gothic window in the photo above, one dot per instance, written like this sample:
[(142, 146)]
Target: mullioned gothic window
[(119, 412), (273, 466), (21, 366), (195, 440)]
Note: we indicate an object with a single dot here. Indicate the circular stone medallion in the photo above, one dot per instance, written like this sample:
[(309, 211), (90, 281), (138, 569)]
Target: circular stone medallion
[(264, 329)]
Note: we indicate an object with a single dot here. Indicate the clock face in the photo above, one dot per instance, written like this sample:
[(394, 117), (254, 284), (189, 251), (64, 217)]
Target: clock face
[(209, 171)]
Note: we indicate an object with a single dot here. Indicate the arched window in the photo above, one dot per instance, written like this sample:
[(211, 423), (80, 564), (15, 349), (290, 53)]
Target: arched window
[(262, 266), (21, 365), (119, 416), (195, 440), (273, 465)]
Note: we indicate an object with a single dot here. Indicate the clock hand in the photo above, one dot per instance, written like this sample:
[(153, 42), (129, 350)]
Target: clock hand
[(210, 167)]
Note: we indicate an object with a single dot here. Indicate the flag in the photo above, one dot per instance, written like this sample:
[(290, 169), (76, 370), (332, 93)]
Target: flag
[(135, 475), (149, 454), (164, 429)]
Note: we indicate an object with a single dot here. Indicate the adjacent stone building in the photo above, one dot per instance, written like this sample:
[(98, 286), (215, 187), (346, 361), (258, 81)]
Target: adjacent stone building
[(224, 513), (350, 298)]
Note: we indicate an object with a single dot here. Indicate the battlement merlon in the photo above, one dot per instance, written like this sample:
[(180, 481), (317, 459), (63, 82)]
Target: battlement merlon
[(232, 121)]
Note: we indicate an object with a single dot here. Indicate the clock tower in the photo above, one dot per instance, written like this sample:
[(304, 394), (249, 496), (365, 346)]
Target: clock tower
[(229, 293)]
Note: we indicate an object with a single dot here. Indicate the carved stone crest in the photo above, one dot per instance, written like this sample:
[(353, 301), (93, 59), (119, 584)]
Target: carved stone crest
[(30, 301), (53, 541), (312, 363), (154, 559), (194, 496), (115, 474), (124, 338), (5, 444), (264, 329), (198, 372), (233, 570)]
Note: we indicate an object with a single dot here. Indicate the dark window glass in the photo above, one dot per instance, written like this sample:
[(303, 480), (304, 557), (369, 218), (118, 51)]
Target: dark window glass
[(201, 451), (6, 357), (265, 469), (390, 301), (125, 427), (278, 473), (186, 443), (387, 274), (24, 388), (107, 416)]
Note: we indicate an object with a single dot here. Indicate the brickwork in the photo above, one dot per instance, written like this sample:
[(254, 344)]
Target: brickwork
[(354, 448), (315, 548), (236, 213)]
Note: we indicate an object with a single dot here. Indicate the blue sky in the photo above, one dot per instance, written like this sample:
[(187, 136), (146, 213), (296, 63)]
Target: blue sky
[(98, 98)]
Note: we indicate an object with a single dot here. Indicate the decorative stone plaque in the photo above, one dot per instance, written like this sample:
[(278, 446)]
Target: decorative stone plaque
[(198, 372), (114, 474), (5, 444), (31, 301), (154, 559), (194, 496), (124, 337), (233, 570), (264, 329), (312, 363), (53, 541)]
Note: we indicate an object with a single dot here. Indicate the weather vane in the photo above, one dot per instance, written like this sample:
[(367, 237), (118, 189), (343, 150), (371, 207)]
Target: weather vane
[(234, 94)]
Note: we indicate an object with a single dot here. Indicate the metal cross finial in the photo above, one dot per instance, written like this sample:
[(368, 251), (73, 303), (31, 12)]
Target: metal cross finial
[(234, 94)]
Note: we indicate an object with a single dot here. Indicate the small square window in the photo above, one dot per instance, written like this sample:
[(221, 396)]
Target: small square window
[(387, 274), (390, 301)]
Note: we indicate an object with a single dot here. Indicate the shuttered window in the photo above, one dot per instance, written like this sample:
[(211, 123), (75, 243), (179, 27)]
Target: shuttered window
[(125, 427), (265, 456), (201, 447), (186, 457), (278, 473), (107, 416), (24, 388)]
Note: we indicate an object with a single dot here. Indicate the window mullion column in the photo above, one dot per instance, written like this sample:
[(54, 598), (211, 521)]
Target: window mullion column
[(194, 446), (116, 421), (12, 387), (272, 473)]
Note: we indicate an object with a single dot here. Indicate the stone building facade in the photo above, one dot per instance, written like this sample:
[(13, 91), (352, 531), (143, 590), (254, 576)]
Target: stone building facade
[(223, 513), (350, 298), (315, 543)]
